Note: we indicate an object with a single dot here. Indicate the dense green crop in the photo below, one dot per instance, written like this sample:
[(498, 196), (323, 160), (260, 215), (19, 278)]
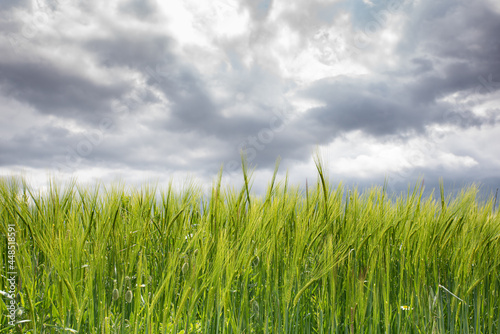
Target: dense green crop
[(330, 260)]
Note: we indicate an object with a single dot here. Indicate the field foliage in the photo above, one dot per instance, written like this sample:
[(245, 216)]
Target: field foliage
[(325, 260)]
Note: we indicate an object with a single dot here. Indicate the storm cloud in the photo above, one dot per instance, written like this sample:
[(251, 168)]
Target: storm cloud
[(386, 89)]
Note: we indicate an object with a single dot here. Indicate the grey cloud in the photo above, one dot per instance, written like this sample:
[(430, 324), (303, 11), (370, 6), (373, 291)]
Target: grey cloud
[(351, 105), (453, 77), (258, 9), (9, 4), (34, 146), (307, 19), (192, 107), (400, 104), (139, 8), (133, 49), (383, 108), (53, 90), (422, 65), (444, 49), (439, 58), (451, 31)]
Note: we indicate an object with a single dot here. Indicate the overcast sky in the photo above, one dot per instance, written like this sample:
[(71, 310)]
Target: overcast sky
[(144, 89)]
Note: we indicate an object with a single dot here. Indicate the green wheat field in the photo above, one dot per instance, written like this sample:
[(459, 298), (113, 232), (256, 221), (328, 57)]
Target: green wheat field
[(326, 259)]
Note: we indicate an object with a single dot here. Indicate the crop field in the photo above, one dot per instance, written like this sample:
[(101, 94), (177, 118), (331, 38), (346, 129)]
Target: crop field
[(327, 259)]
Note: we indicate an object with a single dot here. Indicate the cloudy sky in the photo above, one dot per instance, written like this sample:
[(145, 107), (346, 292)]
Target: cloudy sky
[(143, 89)]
